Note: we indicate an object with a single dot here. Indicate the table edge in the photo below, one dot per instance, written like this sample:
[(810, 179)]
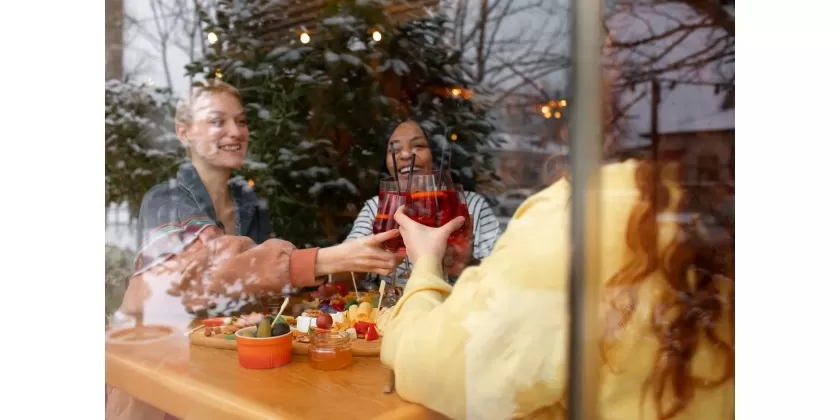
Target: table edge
[(145, 384)]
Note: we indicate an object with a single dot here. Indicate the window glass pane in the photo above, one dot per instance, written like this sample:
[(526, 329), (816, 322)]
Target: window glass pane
[(243, 135)]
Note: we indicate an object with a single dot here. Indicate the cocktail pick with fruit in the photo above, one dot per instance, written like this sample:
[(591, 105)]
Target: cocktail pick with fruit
[(280, 312), (186, 334)]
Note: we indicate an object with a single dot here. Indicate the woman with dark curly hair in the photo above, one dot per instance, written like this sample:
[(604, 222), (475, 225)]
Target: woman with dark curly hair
[(407, 136)]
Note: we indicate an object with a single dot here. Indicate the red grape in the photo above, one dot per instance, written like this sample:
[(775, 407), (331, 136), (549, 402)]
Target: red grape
[(329, 290), (341, 289), (324, 321)]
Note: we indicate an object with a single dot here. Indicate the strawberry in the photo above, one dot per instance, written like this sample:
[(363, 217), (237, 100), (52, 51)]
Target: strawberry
[(362, 327), (371, 333)]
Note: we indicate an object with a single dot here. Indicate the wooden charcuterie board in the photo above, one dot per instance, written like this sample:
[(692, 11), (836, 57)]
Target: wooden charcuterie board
[(360, 347)]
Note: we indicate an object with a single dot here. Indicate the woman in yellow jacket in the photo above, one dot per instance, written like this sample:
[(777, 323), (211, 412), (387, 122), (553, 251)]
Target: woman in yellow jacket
[(495, 345)]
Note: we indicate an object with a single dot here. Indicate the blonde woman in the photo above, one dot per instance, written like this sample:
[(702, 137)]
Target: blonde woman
[(208, 243), (207, 236)]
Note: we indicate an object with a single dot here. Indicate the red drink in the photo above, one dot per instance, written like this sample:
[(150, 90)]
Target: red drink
[(437, 208), (389, 202), (423, 207), (435, 200), (460, 235), (460, 238), (450, 207)]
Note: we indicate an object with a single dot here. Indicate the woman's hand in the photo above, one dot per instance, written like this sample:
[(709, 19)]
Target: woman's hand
[(421, 240), (359, 255)]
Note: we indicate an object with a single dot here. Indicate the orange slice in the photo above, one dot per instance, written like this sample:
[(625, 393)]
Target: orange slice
[(426, 194)]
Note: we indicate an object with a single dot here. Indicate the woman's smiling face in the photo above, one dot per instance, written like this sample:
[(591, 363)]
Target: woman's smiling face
[(406, 138), (217, 132)]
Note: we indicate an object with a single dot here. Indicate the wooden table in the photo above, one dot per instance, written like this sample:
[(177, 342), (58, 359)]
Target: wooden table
[(193, 382)]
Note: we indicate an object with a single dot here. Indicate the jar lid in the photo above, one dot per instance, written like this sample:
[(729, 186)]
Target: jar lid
[(328, 338)]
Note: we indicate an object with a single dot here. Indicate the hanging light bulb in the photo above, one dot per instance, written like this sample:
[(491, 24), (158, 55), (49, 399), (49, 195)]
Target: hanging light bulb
[(453, 137), (304, 38), (212, 38), (456, 92), (219, 74), (562, 102), (545, 109), (377, 36)]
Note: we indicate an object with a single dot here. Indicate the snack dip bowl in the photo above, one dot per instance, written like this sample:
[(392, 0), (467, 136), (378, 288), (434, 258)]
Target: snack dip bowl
[(263, 353)]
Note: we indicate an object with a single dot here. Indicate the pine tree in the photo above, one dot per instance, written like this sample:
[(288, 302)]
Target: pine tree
[(318, 113), (140, 146)]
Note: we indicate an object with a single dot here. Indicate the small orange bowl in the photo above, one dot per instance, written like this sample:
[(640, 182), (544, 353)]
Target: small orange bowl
[(263, 353)]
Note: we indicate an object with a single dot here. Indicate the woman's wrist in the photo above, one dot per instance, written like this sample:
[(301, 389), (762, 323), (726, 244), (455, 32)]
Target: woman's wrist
[(328, 261)]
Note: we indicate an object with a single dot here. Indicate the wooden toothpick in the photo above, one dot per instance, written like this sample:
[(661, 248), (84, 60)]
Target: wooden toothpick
[(193, 330), (280, 312), (355, 289), (381, 293)]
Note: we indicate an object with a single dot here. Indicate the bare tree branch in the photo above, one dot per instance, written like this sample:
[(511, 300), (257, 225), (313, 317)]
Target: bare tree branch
[(173, 26), (508, 42), (683, 41)]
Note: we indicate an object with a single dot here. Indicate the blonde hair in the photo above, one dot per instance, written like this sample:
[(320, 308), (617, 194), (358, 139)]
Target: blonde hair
[(184, 108), (184, 111)]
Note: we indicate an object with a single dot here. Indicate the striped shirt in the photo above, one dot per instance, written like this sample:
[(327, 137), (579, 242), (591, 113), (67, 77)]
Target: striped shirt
[(486, 229)]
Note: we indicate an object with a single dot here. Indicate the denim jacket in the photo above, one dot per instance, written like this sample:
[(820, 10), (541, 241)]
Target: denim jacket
[(183, 206)]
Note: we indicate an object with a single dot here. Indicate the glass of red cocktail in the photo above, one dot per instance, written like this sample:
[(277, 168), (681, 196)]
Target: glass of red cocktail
[(392, 194), (462, 235)]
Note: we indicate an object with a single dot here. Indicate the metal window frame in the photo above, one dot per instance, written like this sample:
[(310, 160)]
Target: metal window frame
[(586, 146)]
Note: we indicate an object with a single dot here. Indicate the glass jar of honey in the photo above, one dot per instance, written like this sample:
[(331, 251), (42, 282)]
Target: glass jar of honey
[(329, 350)]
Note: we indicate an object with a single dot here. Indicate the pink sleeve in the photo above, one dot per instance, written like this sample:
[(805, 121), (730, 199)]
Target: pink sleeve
[(268, 266), (217, 265)]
